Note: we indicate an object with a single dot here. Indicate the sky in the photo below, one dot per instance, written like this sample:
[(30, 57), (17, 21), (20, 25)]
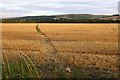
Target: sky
[(18, 8)]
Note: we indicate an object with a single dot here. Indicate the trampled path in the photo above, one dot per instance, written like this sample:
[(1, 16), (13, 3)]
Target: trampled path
[(48, 62)]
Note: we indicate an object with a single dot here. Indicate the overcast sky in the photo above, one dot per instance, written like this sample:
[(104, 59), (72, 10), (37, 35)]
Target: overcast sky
[(17, 8)]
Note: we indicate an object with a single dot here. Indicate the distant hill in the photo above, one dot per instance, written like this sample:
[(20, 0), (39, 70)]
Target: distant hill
[(110, 18), (68, 18), (81, 16)]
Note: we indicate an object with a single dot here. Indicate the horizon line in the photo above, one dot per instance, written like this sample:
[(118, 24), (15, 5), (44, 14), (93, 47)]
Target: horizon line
[(56, 15)]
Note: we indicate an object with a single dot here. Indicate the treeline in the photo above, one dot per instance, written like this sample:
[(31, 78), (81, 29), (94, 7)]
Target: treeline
[(59, 21)]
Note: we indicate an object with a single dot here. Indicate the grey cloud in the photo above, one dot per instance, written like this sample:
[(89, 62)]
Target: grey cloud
[(69, 7), (23, 7), (59, 1)]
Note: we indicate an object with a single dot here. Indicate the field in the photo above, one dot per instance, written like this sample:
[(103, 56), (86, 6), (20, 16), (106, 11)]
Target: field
[(60, 50)]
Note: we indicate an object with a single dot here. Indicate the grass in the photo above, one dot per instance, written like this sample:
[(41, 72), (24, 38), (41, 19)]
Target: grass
[(38, 29), (23, 67), (18, 65)]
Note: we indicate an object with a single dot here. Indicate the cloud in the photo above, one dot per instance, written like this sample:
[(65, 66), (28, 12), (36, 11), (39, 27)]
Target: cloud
[(77, 7), (60, 1), (14, 8)]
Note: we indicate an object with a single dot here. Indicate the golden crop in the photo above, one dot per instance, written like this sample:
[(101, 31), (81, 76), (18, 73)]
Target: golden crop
[(91, 49)]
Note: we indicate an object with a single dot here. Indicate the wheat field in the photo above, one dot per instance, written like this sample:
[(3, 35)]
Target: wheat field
[(64, 50)]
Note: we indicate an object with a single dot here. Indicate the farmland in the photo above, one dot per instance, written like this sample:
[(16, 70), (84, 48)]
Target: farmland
[(88, 50)]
